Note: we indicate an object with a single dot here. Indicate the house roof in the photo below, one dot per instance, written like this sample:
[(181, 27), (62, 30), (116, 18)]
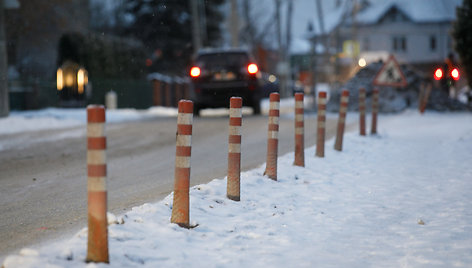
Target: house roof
[(420, 11)]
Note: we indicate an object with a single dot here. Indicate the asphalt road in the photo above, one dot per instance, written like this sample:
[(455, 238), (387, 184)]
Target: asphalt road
[(43, 173)]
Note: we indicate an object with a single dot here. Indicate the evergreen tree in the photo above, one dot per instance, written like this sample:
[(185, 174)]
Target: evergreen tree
[(463, 38), (164, 26)]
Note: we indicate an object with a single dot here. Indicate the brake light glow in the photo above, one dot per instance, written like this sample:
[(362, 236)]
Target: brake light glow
[(438, 74), (252, 68), (455, 74), (195, 71)]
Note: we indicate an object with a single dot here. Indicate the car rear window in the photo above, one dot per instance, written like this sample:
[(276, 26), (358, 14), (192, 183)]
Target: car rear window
[(219, 60)]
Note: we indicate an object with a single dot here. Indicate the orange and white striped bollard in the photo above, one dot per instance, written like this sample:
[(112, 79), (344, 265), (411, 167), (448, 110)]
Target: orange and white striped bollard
[(97, 246), (299, 131), (234, 149), (273, 136), (375, 110), (338, 145), (180, 206), (321, 124), (362, 106)]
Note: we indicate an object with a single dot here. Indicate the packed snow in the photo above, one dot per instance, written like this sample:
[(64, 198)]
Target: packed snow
[(398, 199)]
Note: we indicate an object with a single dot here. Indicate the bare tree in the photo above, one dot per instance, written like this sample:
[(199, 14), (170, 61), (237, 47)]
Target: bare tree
[(234, 24), (4, 102), (252, 35)]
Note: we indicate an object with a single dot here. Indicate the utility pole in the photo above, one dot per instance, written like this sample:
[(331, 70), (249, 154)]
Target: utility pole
[(203, 22), (282, 64), (249, 28), (288, 40), (196, 35), (234, 24), (355, 10), (4, 102)]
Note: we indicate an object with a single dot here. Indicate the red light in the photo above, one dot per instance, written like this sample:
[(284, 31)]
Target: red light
[(195, 72), (455, 74), (252, 68), (438, 74)]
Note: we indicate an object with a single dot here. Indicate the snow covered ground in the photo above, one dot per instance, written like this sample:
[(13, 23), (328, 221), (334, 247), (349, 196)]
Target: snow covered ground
[(398, 199), (56, 118)]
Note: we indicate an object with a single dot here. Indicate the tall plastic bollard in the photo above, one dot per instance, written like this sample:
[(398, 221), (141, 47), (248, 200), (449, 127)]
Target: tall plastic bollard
[(338, 145), (234, 149), (180, 207), (321, 124), (299, 131), (97, 246), (273, 136), (362, 106), (375, 110)]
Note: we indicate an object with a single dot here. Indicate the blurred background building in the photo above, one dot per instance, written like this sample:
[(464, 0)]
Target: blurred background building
[(120, 42)]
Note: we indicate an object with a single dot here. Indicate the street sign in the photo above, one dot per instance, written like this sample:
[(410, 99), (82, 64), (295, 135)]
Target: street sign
[(390, 74)]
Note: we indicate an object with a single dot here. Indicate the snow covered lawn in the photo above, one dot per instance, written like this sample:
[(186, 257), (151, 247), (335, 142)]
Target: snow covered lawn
[(402, 198)]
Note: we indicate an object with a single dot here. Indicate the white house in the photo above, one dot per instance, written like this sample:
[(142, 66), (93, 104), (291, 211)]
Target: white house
[(415, 31)]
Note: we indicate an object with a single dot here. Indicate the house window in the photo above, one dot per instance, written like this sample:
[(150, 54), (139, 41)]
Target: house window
[(399, 44), (432, 43)]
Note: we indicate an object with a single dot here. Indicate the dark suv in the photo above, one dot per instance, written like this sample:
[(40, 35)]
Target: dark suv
[(218, 75)]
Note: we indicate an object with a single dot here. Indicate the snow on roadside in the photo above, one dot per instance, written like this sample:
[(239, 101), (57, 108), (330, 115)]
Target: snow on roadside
[(399, 199), (61, 118), (58, 118)]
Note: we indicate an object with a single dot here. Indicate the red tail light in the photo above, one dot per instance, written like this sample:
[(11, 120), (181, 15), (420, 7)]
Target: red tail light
[(438, 74), (455, 74), (195, 71), (252, 68)]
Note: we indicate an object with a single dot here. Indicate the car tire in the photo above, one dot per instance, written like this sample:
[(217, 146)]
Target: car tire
[(197, 109), (256, 107)]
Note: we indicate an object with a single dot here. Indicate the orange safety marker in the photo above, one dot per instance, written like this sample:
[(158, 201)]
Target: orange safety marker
[(321, 126), (273, 136), (338, 145), (234, 149), (375, 109), (362, 112), (97, 246), (180, 207), (299, 131)]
